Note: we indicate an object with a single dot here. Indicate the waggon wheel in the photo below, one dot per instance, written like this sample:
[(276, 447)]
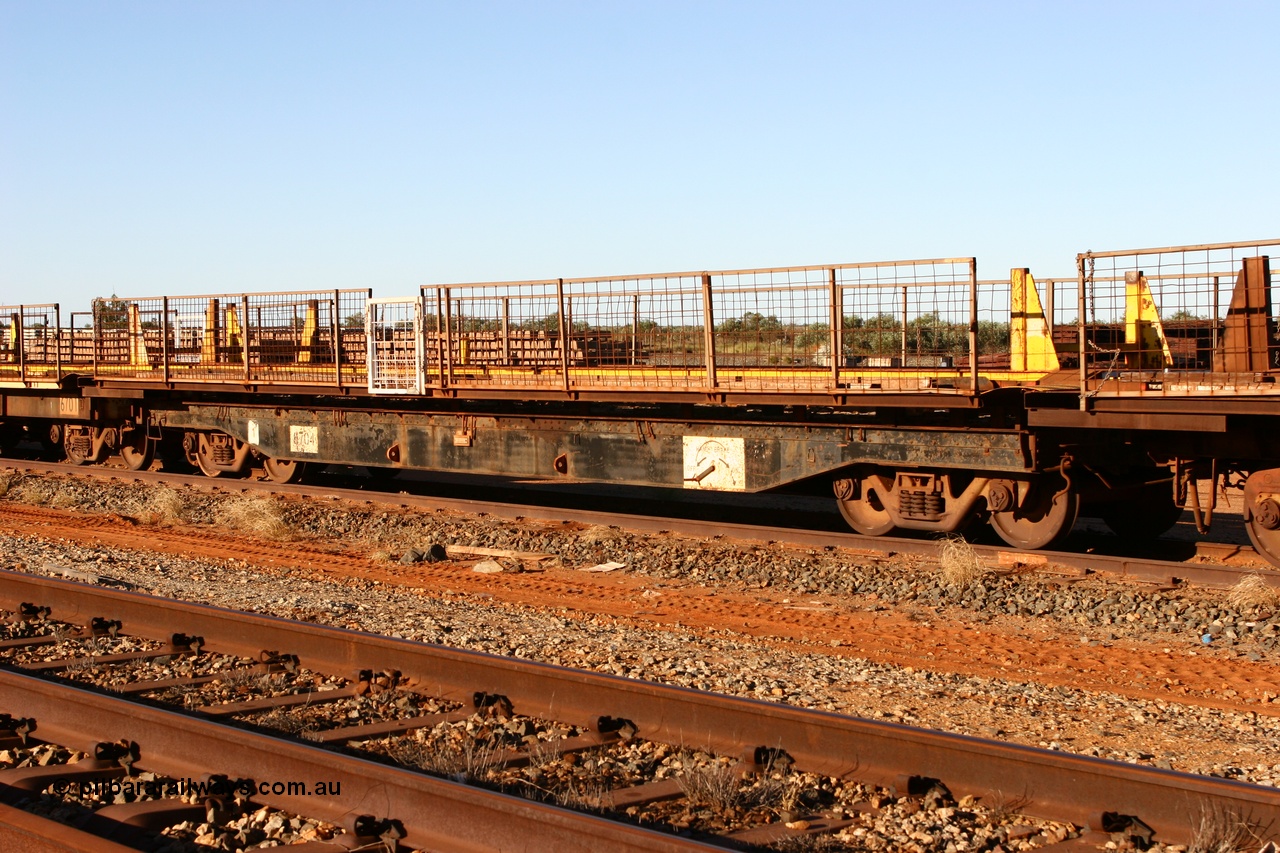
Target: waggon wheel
[(283, 470), (73, 445), (1042, 518), (139, 452), (1262, 513), (206, 466), (51, 443), (200, 454), (1266, 540), (860, 504)]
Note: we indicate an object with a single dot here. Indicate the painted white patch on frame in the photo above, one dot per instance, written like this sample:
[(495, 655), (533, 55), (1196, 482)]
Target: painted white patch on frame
[(304, 439), (252, 431), (714, 463)]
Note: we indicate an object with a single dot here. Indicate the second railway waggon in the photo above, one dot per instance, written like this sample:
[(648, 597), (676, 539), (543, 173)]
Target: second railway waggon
[(924, 397)]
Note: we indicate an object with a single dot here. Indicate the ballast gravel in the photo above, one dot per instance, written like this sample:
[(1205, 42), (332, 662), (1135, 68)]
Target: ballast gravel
[(1241, 745)]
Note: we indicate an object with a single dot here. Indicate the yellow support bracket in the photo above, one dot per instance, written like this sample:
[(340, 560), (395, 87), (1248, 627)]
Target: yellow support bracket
[(310, 331), (209, 344), (1031, 346), (1144, 341), (234, 344), (138, 355)]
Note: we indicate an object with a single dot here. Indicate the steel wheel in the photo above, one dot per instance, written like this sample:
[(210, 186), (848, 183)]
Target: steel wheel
[(1265, 539), (74, 457), (283, 470), (865, 514), (1262, 512), (1044, 517), (200, 454), (202, 458), (139, 452), (206, 466)]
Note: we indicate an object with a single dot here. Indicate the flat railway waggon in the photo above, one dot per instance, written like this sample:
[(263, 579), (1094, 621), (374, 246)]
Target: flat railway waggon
[(923, 397)]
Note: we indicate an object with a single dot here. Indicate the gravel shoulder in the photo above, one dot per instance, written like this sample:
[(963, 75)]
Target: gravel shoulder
[(1093, 666)]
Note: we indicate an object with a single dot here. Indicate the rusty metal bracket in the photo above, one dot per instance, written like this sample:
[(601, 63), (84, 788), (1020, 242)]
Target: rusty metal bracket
[(494, 703), (123, 753), (1131, 826), (368, 828), (369, 681), (769, 758), (192, 644), (287, 662), (99, 627), (623, 728), (20, 726), (29, 612)]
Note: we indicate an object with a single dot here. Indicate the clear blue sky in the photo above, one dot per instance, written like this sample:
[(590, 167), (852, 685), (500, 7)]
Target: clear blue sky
[(181, 147)]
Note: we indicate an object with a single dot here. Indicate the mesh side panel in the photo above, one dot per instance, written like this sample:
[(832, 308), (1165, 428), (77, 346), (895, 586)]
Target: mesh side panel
[(309, 338), (394, 346), (1178, 320), (767, 331), (31, 343)]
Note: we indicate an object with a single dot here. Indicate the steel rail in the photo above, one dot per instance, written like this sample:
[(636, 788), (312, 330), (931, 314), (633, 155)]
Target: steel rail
[(436, 814), (24, 832), (1164, 572), (1056, 785)]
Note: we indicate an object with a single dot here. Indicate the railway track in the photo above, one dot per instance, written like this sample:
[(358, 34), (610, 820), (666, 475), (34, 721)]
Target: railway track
[(1199, 569), (317, 704)]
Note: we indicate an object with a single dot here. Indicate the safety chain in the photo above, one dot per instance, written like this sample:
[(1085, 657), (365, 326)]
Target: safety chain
[(1110, 371)]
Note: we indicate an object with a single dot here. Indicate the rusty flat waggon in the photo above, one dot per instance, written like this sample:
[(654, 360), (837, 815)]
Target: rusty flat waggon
[(924, 397)]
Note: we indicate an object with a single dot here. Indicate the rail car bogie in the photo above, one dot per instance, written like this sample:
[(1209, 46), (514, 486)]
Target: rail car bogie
[(1027, 511)]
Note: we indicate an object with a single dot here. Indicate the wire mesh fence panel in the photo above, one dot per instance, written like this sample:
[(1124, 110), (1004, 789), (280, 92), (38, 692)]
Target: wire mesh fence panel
[(766, 330), (905, 326), (352, 344), (772, 329), (1182, 319), (1061, 314), (277, 338), (498, 335), (30, 343), (993, 331), (618, 333), (394, 343), (638, 333), (76, 342)]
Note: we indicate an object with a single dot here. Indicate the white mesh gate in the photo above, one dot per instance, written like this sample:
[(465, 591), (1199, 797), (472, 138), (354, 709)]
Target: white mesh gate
[(394, 333)]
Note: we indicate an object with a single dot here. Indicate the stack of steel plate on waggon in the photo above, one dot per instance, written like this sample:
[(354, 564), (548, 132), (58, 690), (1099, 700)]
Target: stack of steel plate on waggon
[(929, 398)]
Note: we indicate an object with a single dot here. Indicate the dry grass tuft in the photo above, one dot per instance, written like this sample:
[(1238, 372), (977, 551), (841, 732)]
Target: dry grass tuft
[(1220, 830), (463, 759), (590, 794), (1001, 806), (714, 784), (1253, 591), (165, 506), (64, 499), (720, 785), (260, 516), (8, 479), (597, 534), (36, 492), (960, 564)]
